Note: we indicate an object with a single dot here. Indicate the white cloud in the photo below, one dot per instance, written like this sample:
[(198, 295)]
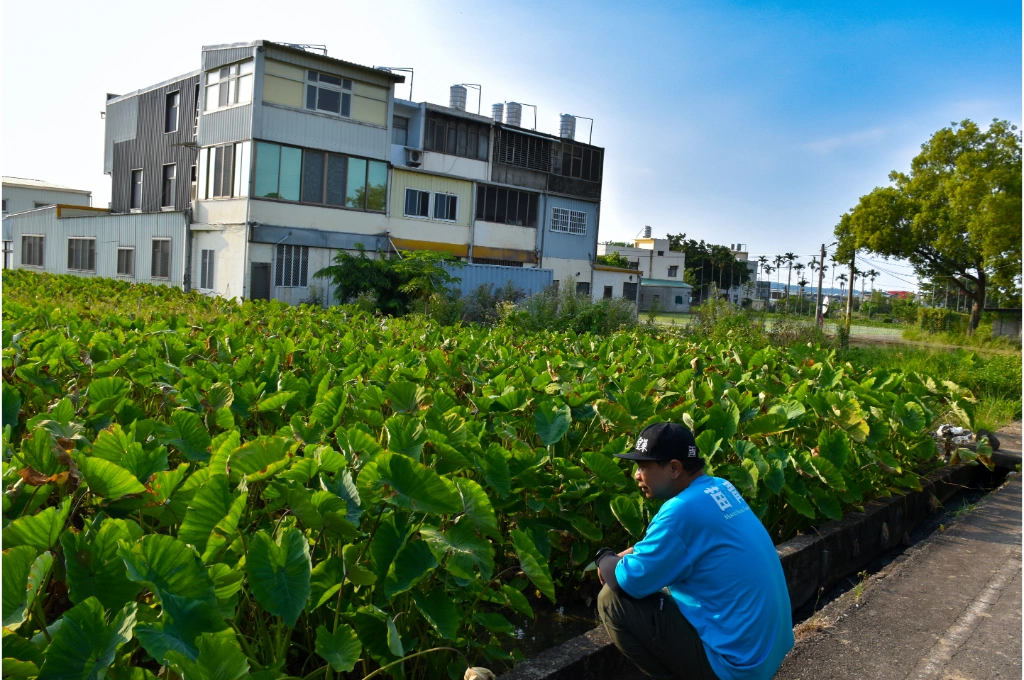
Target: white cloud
[(826, 146)]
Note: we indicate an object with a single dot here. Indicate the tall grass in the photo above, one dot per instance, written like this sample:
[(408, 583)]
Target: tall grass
[(994, 380)]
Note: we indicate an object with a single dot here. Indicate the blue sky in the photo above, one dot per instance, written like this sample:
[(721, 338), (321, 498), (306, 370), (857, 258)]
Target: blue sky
[(736, 122)]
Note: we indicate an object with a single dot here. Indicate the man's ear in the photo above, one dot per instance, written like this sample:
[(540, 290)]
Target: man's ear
[(677, 469)]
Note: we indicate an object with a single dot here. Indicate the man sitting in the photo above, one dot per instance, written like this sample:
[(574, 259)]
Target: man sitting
[(702, 595)]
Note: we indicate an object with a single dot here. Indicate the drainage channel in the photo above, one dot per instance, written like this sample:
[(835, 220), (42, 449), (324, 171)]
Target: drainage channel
[(961, 502)]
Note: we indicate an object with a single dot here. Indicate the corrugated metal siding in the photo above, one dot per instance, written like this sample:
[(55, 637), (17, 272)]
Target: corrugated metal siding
[(110, 231), (121, 121), (402, 179), (317, 131), (20, 199), (150, 148), (214, 58), (531, 280), (570, 246), (228, 125), (310, 60)]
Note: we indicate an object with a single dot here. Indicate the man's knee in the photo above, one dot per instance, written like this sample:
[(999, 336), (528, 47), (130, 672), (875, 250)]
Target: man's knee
[(610, 605)]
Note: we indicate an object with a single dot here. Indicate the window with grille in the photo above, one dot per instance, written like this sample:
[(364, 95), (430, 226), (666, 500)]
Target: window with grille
[(222, 171), (456, 136), (82, 254), (32, 251), (161, 265), (135, 191), (607, 292), (229, 85), (206, 270), (446, 207), (506, 206), (673, 271), (580, 162), (292, 268), (526, 151), (400, 130), (171, 112), (170, 183), (126, 261), (417, 203), (325, 92), (629, 291), (583, 288), (568, 221)]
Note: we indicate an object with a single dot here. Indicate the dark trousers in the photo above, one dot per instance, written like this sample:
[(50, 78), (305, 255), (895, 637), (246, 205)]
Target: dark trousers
[(653, 634)]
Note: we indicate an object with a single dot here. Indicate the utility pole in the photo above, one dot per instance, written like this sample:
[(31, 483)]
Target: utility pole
[(821, 275), (849, 295)]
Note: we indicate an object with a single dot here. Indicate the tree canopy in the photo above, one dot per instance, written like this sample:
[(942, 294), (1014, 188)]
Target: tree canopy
[(955, 216), (707, 263)]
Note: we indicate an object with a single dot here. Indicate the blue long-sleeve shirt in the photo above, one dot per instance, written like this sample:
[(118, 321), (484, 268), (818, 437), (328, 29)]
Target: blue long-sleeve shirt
[(718, 562)]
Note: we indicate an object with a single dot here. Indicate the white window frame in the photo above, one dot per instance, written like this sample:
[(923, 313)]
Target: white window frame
[(163, 186), (42, 251), (567, 221), (445, 197), (152, 264), (405, 207), (345, 89), (177, 112), (131, 188), (130, 249), (82, 269), (239, 79), (206, 262), (290, 278)]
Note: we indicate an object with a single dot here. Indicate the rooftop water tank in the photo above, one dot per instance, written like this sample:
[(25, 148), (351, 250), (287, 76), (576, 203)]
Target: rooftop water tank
[(457, 97), (647, 232), (498, 112), (567, 128), (515, 114)]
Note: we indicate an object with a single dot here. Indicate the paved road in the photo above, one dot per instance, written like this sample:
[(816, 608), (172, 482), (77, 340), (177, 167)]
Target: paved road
[(948, 609)]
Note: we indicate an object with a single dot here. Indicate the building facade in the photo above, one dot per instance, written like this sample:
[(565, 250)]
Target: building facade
[(278, 157), (21, 194)]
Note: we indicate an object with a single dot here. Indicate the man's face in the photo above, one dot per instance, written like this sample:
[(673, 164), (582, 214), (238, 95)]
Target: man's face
[(657, 481)]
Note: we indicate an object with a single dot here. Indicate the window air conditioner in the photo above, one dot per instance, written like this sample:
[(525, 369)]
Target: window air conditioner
[(413, 157)]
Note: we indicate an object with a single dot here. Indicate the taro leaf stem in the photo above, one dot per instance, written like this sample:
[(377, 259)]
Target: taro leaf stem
[(413, 656)]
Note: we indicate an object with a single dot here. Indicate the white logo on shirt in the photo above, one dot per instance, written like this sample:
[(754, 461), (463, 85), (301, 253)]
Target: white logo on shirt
[(716, 493), (733, 491), (641, 445)]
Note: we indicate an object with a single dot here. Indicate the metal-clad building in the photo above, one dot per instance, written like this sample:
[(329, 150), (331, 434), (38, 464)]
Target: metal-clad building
[(21, 194), (529, 279), (152, 132), (41, 241)]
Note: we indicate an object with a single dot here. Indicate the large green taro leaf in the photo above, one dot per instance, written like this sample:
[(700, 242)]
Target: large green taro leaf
[(183, 621), (94, 567), (219, 658), (84, 646), (552, 422), (407, 484), (279, 573), (533, 563), (40, 530), (341, 648), (168, 567)]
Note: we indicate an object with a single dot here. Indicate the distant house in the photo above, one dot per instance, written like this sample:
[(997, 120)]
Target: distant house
[(661, 272), (21, 194)]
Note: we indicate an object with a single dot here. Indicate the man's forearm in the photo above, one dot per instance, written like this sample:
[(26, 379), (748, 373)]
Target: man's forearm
[(607, 569)]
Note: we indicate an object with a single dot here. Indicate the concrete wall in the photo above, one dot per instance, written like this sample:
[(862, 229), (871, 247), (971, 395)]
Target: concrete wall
[(670, 299), (20, 199), (614, 279), (563, 268), (229, 271), (136, 230)]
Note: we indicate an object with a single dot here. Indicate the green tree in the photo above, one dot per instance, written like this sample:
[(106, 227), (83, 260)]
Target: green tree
[(615, 259), (355, 275), (956, 215), (426, 273), (707, 263)]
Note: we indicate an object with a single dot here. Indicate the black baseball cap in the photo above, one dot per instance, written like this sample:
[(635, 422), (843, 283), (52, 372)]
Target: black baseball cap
[(663, 442)]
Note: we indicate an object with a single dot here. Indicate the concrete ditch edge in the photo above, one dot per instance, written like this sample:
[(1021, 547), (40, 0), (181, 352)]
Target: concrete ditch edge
[(811, 562)]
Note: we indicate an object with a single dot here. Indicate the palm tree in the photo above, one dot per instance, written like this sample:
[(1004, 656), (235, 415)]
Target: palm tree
[(790, 258), (802, 283), (779, 261), (842, 284), (762, 260), (768, 269), (834, 263), (872, 274), (799, 267)]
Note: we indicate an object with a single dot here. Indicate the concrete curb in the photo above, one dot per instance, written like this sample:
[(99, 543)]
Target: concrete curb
[(810, 562)]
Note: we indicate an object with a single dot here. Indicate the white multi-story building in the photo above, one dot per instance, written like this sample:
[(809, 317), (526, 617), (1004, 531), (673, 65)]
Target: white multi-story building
[(661, 272)]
